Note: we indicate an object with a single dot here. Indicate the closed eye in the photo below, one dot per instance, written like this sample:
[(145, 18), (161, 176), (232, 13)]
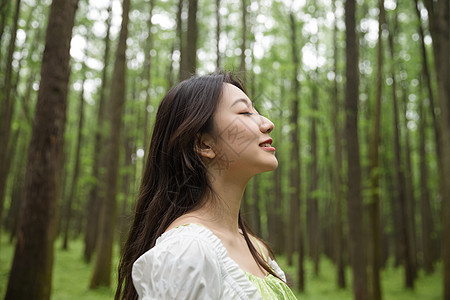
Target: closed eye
[(246, 113)]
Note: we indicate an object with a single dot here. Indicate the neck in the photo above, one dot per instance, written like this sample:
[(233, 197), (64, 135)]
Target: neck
[(223, 211)]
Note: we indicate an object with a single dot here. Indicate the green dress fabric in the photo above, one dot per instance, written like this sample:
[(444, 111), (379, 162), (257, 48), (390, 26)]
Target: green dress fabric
[(271, 287)]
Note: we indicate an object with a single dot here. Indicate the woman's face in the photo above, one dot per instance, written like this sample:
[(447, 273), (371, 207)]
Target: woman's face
[(242, 144)]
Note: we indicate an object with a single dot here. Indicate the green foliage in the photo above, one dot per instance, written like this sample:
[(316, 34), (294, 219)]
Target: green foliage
[(71, 278)]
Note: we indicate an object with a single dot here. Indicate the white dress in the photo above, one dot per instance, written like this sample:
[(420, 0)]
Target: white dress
[(190, 262)]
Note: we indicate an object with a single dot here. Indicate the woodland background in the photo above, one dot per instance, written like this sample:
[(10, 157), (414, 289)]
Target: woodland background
[(358, 92)]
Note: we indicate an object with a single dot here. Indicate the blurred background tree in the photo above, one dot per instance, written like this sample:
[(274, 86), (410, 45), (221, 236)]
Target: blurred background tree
[(358, 91)]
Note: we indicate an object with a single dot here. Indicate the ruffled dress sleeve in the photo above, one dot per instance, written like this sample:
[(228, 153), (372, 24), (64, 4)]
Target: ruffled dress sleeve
[(183, 267)]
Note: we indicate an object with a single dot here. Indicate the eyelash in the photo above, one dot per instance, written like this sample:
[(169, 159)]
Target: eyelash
[(246, 113)]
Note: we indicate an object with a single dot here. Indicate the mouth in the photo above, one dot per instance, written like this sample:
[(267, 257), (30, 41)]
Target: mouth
[(267, 145)]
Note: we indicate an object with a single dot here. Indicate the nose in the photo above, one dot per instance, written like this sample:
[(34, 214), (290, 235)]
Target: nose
[(266, 126)]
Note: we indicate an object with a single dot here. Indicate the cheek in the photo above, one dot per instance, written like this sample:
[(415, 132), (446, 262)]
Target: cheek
[(235, 138)]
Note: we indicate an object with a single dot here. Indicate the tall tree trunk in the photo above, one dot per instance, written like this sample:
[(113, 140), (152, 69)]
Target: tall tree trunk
[(217, 35), (337, 176), (180, 40), (102, 270), (405, 237), (147, 76), (375, 138), (410, 201), (426, 215), (7, 112), (427, 77), (275, 221), (4, 10), (295, 239), (242, 66), (441, 46), (33, 257), (95, 198), (313, 207), (354, 198), (76, 168), (189, 55)]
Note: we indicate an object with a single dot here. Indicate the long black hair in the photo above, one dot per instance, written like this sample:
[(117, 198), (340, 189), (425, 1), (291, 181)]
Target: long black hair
[(175, 177)]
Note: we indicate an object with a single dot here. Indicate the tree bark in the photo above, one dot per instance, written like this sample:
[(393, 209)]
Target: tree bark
[(217, 35), (76, 168), (7, 112), (189, 55), (33, 257), (313, 207), (95, 196), (441, 44), (102, 270), (147, 76), (295, 238), (426, 215), (242, 66), (337, 175), (374, 173), (405, 234), (354, 198)]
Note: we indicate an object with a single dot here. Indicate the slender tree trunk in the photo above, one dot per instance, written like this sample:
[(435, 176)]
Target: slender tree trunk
[(7, 112), (180, 40), (441, 45), (102, 270), (76, 168), (95, 197), (354, 198), (337, 176), (426, 215), (410, 201), (275, 221), (401, 179), (33, 257), (4, 9), (217, 35), (427, 77), (295, 239), (242, 66), (375, 138), (313, 207), (147, 76), (189, 64)]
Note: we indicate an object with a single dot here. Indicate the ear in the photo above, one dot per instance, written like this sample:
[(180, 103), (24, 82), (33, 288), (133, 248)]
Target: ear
[(204, 146)]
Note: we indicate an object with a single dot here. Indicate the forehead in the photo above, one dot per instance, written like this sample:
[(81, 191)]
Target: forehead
[(231, 93)]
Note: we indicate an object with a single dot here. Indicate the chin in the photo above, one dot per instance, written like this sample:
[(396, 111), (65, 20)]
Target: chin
[(269, 165)]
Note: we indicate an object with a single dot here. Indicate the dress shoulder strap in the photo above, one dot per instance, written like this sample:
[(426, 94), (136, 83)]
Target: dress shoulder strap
[(261, 249)]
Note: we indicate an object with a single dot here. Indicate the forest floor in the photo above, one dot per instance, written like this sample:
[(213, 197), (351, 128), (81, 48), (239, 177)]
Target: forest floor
[(71, 278)]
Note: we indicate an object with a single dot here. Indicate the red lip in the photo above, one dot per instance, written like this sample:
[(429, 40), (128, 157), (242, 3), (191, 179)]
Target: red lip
[(268, 141)]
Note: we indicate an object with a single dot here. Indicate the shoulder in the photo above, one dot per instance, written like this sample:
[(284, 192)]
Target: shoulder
[(183, 264)]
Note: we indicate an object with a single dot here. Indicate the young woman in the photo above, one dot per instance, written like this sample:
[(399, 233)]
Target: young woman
[(188, 239)]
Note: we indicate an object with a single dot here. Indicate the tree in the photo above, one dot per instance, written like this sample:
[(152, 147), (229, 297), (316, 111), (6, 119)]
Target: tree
[(115, 107), (6, 112), (77, 158), (337, 176), (374, 173), (189, 52), (33, 257), (295, 238), (94, 194), (354, 199)]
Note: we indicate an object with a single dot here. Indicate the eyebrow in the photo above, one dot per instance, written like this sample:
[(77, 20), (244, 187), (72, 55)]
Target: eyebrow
[(242, 100)]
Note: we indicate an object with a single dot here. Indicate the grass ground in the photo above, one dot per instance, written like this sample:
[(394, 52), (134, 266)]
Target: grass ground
[(71, 279)]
